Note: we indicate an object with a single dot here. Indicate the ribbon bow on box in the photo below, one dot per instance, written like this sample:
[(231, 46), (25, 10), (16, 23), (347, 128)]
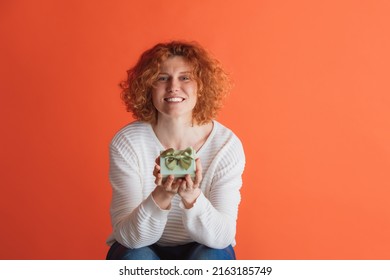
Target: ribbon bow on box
[(178, 158)]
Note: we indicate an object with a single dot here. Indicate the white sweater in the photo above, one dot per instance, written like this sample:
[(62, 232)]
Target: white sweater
[(137, 220)]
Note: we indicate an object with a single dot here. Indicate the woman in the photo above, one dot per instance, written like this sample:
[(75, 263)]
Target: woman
[(174, 92)]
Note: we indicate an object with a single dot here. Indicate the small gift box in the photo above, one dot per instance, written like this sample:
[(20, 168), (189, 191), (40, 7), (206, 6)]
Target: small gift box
[(178, 162)]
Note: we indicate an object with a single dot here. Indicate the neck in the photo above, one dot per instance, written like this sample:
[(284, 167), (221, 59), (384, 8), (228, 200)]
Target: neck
[(180, 134)]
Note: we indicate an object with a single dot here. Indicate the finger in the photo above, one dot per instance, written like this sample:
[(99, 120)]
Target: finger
[(176, 184), (157, 174), (158, 180), (198, 165), (157, 161), (168, 183), (183, 186), (189, 182), (198, 173), (156, 170)]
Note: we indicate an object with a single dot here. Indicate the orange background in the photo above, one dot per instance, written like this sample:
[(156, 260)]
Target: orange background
[(310, 104)]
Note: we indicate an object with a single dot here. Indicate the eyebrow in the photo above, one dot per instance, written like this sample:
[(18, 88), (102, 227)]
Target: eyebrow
[(184, 72)]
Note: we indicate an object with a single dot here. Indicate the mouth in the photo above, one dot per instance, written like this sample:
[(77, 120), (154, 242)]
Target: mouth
[(174, 99)]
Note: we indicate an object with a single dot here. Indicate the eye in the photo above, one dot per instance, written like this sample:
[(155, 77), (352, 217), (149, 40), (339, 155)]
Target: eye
[(185, 78), (162, 78)]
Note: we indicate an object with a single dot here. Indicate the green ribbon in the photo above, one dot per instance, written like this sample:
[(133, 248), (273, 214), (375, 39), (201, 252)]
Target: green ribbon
[(181, 158)]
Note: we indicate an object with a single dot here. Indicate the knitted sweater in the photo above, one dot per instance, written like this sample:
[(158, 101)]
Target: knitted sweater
[(138, 221)]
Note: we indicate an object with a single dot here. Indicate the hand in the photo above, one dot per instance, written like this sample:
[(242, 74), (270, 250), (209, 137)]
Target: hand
[(189, 190), (165, 190), (169, 185)]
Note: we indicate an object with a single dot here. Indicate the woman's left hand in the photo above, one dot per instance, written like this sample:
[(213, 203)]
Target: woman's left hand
[(188, 189)]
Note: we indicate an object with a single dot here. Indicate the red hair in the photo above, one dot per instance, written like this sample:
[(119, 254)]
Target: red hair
[(212, 81)]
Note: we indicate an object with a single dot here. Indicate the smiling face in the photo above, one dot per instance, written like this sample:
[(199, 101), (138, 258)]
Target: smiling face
[(175, 92)]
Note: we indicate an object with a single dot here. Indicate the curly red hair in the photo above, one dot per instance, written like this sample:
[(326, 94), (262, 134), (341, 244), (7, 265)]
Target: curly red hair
[(212, 81)]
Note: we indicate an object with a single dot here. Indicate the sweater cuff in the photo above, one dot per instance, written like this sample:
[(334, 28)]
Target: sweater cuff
[(197, 209), (151, 207)]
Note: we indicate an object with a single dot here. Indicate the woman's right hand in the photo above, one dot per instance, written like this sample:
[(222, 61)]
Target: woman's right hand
[(165, 189), (168, 184)]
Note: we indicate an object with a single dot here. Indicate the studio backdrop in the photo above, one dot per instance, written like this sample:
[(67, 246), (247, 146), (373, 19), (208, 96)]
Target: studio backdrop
[(310, 102)]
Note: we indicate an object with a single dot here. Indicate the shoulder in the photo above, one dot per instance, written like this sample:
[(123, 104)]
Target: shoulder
[(225, 136), (133, 132), (225, 146), (224, 155), (223, 130)]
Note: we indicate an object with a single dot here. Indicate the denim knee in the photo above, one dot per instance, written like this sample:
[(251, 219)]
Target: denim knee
[(202, 252), (120, 252)]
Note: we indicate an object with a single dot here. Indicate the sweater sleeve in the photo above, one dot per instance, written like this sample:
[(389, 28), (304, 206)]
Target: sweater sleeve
[(136, 222), (212, 219)]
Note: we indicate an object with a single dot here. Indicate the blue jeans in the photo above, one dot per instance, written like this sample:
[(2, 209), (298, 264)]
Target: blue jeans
[(190, 251)]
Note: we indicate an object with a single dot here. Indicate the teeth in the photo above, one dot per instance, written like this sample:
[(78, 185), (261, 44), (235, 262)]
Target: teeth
[(174, 99)]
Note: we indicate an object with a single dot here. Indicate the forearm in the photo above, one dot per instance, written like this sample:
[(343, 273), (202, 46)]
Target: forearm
[(208, 226), (162, 197), (142, 227)]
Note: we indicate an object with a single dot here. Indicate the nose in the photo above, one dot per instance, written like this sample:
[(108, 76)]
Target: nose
[(173, 85)]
